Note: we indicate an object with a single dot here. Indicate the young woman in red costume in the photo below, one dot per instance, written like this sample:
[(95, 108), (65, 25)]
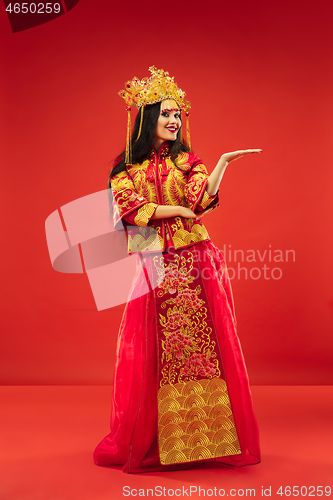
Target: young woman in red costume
[(181, 394)]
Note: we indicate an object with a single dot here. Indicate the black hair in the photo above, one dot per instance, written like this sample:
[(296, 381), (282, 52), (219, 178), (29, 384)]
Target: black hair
[(143, 146)]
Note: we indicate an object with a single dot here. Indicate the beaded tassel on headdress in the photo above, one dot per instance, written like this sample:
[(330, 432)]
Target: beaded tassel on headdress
[(158, 87), (188, 137), (128, 150), (141, 119)]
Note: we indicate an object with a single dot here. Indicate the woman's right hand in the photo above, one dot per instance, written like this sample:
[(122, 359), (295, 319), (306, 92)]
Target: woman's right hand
[(165, 211), (187, 212)]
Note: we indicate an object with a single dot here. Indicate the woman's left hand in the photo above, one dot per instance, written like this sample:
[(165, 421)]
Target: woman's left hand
[(229, 157)]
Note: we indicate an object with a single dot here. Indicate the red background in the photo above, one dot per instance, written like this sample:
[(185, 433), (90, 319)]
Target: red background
[(259, 75)]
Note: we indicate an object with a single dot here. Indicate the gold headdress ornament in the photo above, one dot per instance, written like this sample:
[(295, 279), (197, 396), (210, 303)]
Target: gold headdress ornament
[(150, 90)]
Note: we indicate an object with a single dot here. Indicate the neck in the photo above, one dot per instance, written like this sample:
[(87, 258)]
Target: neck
[(157, 145)]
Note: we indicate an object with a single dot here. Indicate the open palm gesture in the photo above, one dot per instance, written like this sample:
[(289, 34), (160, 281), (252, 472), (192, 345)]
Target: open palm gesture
[(229, 157)]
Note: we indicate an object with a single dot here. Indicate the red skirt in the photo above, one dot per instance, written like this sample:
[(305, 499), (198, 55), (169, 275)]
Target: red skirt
[(181, 393)]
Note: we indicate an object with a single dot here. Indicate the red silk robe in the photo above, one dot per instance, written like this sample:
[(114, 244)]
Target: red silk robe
[(181, 394)]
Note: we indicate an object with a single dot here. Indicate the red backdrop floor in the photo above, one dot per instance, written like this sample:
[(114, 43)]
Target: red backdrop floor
[(48, 434)]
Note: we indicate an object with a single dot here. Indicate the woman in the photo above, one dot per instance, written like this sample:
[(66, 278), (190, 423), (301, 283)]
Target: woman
[(181, 395)]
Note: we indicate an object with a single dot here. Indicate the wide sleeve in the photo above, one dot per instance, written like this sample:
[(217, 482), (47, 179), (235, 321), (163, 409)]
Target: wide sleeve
[(128, 204), (195, 189)]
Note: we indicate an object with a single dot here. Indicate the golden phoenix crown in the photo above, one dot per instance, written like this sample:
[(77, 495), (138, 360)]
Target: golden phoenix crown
[(156, 88)]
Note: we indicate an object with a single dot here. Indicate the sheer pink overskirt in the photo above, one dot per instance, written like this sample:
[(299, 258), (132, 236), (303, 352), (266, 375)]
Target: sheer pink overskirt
[(132, 441)]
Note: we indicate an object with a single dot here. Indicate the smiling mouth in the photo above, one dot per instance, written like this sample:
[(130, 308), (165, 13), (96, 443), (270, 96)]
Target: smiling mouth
[(172, 129)]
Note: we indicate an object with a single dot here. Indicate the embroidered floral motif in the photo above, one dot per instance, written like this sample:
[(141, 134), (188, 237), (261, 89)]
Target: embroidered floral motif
[(176, 343), (187, 349), (174, 278), (199, 364), (175, 319), (188, 298)]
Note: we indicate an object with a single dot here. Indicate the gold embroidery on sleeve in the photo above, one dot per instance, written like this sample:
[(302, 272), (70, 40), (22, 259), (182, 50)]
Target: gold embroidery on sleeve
[(205, 200), (144, 214)]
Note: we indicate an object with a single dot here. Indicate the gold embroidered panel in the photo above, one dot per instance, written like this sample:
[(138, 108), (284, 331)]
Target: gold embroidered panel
[(141, 239), (195, 418), (145, 238), (181, 237)]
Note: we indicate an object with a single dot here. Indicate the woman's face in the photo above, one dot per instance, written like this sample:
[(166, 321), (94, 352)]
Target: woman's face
[(168, 123)]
